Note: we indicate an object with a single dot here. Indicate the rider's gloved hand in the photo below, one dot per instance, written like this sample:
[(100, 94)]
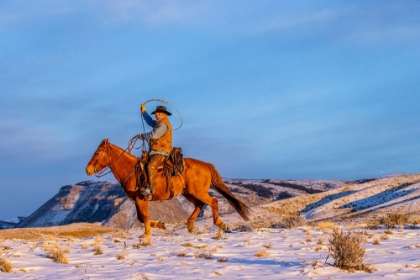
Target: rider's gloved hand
[(142, 108)]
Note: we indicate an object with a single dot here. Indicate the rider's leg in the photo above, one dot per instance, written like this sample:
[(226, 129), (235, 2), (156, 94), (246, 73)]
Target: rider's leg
[(152, 168)]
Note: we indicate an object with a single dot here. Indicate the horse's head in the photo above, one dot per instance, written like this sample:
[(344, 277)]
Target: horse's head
[(99, 160)]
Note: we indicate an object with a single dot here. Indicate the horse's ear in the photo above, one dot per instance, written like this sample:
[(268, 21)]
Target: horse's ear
[(105, 141)]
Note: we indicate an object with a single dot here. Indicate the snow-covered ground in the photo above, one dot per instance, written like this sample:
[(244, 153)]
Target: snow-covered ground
[(175, 254)]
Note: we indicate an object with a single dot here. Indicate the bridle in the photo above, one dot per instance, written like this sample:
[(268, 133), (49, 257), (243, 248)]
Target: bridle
[(105, 171)]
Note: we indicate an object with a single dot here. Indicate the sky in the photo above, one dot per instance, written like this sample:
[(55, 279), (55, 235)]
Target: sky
[(266, 89)]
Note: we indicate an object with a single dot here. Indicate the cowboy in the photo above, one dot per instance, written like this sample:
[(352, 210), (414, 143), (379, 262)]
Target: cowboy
[(160, 143)]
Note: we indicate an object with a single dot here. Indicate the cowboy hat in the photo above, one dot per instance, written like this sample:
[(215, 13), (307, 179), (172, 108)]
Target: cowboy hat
[(161, 109)]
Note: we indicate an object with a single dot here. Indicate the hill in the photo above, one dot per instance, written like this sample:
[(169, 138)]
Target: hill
[(105, 202)]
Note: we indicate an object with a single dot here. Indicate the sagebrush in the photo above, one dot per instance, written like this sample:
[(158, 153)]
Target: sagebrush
[(347, 249)]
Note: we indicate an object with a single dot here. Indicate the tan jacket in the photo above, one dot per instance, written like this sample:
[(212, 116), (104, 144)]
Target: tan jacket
[(164, 143)]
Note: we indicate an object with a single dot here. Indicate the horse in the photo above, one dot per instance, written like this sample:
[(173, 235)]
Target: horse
[(193, 183)]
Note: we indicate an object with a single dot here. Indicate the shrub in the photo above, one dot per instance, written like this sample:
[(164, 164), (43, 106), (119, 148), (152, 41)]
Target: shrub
[(57, 254), (181, 254), (261, 253), (325, 225), (372, 224), (392, 219), (347, 250), (290, 222), (207, 255), (5, 265), (268, 245), (384, 237), (97, 249)]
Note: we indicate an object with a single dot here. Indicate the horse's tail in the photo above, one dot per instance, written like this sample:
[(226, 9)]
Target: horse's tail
[(219, 185)]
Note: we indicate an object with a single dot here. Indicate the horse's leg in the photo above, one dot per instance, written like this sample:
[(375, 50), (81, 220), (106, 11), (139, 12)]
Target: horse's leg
[(212, 202), (143, 215), (153, 224), (198, 206)]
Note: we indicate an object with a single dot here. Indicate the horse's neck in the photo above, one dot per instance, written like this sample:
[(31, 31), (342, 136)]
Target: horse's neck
[(123, 162)]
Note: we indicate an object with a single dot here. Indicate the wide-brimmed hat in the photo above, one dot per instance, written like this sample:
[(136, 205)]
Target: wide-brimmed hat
[(161, 109)]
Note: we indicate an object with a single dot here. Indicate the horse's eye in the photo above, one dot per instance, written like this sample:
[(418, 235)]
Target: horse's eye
[(97, 154)]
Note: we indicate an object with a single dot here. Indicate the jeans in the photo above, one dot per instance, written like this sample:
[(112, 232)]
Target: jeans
[(155, 161)]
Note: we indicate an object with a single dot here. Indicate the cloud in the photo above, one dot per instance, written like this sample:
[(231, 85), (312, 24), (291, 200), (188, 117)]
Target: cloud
[(369, 23), (287, 22)]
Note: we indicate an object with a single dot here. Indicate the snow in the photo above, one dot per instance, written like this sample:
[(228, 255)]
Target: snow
[(288, 255)]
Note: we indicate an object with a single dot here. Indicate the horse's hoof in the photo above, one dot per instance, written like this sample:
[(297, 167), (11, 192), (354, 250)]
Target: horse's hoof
[(137, 246), (223, 226), (146, 240), (190, 227), (162, 225)]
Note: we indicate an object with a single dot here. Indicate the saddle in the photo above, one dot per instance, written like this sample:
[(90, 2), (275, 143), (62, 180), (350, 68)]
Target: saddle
[(172, 166)]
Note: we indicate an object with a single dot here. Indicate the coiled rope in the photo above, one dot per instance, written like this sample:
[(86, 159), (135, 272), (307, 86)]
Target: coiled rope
[(135, 138)]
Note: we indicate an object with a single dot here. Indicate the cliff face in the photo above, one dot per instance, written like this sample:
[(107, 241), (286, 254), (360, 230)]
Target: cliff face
[(97, 202)]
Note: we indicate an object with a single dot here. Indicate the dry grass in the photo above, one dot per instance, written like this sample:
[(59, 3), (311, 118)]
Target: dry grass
[(326, 225), (376, 241), (121, 256), (320, 240), (384, 237), (261, 253), (5, 265), (203, 247), (200, 255), (181, 254), (98, 239), (268, 245), (319, 248), (97, 249), (290, 222), (373, 224), (347, 249), (85, 245), (57, 254), (124, 234), (77, 230), (188, 245), (388, 231), (218, 234), (308, 238), (222, 260), (392, 219)]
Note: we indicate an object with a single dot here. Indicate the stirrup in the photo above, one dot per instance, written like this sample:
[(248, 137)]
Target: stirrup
[(145, 192)]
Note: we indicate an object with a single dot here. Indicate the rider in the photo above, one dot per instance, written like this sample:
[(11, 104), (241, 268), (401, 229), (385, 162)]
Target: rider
[(160, 143)]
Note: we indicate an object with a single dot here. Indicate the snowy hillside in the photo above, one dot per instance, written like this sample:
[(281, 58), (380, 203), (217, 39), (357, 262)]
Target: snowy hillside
[(299, 253), (367, 198), (107, 204)]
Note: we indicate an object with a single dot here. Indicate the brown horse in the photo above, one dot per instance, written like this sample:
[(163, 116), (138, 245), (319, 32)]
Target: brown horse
[(193, 184)]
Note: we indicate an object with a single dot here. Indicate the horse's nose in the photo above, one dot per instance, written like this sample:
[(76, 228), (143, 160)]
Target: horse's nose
[(89, 171)]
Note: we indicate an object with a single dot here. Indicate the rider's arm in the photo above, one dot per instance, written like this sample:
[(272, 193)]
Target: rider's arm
[(148, 119), (156, 133)]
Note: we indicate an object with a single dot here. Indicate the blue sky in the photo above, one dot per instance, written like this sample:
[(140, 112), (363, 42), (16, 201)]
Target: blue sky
[(267, 89)]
